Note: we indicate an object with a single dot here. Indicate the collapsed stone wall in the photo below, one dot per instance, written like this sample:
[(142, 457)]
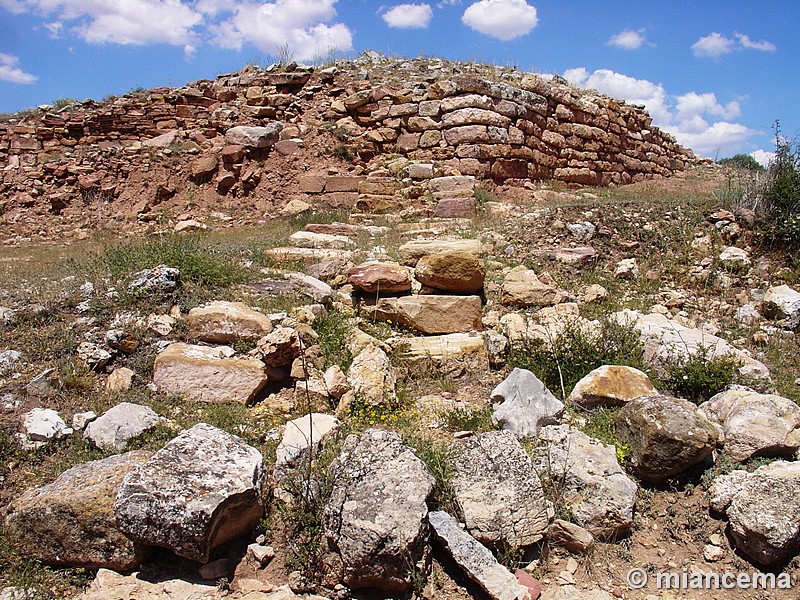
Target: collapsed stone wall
[(513, 126)]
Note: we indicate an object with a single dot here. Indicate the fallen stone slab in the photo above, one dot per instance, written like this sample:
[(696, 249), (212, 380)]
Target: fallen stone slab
[(475, 559), (611, 385), (254, 137), (310, 239), (376, 515), (459, 272), (70, 522), (201, 490), (451, 352), (522, 287), (222, 322), (125, 421), (205, 374), (431, 315), (108, 585), (290, 254), (412, 251)]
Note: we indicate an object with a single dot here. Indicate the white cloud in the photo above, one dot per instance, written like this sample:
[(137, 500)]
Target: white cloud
[(763, 157), (409, 16), (762, 45), (698, 121), (501, 19), (11, 73), (713, 45), (628, 39), (296, 27)]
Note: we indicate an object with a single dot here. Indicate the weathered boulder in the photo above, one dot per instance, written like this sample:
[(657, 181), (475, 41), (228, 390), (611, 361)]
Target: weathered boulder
[(570, 536), (522, 287), (763, 510), (611, 385), (279, 347), (454, 352), (372, 378), (666, 435), (734, 258), (206, 374), (430, 314), (668, 342), (223, 322), (254, 137), (500, 497), (459, 272), (597, 492), (113, 429), (376, 515), (475, 559), (755, 424), (161, 279), (412, 251), (70, 522), (524, 404), (110, 585), (201, 490), (44, 424), (376, 278), (782, 303)]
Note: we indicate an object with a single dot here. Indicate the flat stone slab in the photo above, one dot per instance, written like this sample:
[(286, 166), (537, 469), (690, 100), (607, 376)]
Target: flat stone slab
[(113, 429), (412, 251), (434, 314)]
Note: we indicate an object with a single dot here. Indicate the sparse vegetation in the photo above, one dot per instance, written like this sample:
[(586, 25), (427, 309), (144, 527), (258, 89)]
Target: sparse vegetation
[(741, 161), (699, 376)]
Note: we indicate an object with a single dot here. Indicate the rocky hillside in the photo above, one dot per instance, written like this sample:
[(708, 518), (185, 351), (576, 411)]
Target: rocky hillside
[(329, 138), (293, 364)]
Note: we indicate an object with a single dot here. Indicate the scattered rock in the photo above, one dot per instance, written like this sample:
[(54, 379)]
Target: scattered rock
[(161, 279), (201, 490), (205, 374), (336, 381), (523, 288), (254, 137), (224, 322), (70, 522), (372, 378), (499, 495), (755, 424), (8, 358), (280, 347), (611, 385), (459, 272), (376, 278), (593, 293), (44, 425), (376, 515), (113, 429), (734, 258), (782, 303), (93, 355), (627, 269), (525, 404), (666, 435), (568, 535), (120, 380), (430, 314), (108, 585), (300, 436), (43, 385)]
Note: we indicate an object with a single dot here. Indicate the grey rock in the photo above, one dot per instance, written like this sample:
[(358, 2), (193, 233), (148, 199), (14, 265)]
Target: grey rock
[(372, 377), (70, 522), (596, 490), (666, 435), (8, 358), (763, 510), (161, 279), (582, 231), (297, 451), (44, 424), (254, 137), (782, 303), (376, 515), (43, 385), (113, 429), (500, 497), (93, 355), (203, 489), (525, 404), (8, 316), (755, 424), (475, 559)]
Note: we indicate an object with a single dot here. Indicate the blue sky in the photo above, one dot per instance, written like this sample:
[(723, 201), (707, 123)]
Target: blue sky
[(716, 74)]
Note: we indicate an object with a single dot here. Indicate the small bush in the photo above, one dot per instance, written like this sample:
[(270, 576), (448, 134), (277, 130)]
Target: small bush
[(344, 152), (699, 376), (482, 196), (576, 352), (741, 161), (469, 419)]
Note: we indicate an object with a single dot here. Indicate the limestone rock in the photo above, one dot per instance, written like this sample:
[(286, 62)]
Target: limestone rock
[(499, 495), (110, 585), (93, 355), (120, 380), (205, 374), (782, 303), (412, 251), (626, 269), (522, 287), (378, 278), (611, 385), (570, 536), (763, 510), (454, 352), (280, 347), (734, 258), (336, 381), (372, 377), (301, 439), (310, 239), (223, 322), (161, 279), (666, 342), (667, 436), (199, 491), (525, 404), (430, 314), (113, 429), (475, 559), (376, 515), (597, 492), (254, 137), (755, 424), (459, 272), (44, 424), (70, 522)]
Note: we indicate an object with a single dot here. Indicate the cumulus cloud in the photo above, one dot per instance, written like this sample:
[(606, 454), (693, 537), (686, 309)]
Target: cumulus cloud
[(697, 120), (409, 16), (763, 157), (715, 45), (10, 72), (628, 39), (762, 45), (501, 19)]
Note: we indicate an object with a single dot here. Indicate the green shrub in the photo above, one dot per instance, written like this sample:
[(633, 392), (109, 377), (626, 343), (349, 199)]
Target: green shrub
[(699, 376), (434, 454), (741, 161), (333, 329), (482, 196), (576, 352)]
